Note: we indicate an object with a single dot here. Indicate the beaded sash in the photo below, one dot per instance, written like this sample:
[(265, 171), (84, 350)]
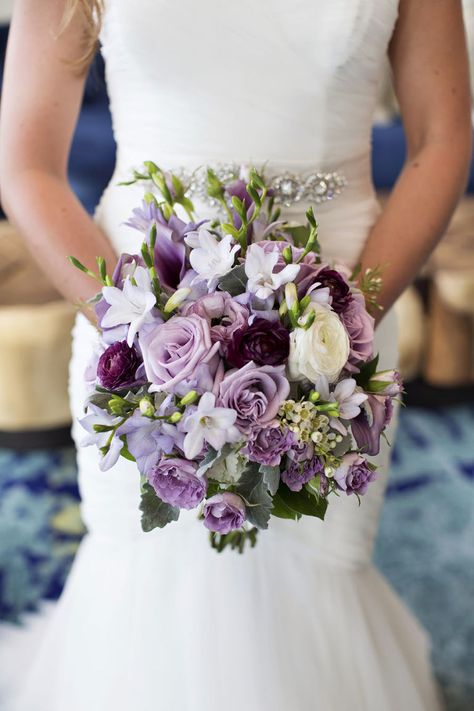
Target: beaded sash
[(288, 187)]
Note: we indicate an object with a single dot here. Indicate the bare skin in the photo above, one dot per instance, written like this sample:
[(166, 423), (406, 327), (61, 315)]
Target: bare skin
[(40, 110), (431, 77)]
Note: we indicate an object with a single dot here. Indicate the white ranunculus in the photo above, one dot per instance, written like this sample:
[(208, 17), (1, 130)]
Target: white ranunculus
[(322, 349)]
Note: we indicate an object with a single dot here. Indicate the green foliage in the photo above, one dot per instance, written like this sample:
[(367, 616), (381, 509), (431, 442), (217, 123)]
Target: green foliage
[(155, 512), (253, 489), (235, 281), (367, 370), (304, 502), (235, 540), (271, 477)]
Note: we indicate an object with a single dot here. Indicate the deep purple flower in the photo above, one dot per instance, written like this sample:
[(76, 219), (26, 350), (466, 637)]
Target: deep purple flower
[(117, 366), (255, 393), (367, 427), (298, 473), (354, 475), (265, 342), (224, 512), (338, 288), (224, 314), (268, 444), (176, 483), (359, 325)]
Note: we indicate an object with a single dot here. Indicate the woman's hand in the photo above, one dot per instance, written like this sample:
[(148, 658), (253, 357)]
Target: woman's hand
[(41, 99), (431, 76)]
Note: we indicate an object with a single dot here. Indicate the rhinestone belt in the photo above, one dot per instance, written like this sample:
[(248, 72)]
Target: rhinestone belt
[(288, 187)]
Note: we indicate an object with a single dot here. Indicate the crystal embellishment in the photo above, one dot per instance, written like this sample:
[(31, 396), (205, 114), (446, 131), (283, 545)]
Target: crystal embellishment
[(288, 188)]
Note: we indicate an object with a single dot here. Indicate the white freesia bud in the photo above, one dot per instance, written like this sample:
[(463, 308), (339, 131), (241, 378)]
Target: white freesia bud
[(322, 349), (175, 301), (291, 295), (146, 407)]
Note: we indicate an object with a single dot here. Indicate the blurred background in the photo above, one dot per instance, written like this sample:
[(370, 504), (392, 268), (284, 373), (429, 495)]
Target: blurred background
[(426, 542)]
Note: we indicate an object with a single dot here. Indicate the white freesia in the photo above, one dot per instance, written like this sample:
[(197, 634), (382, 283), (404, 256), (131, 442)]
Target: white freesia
[(176, 299), (259, 267), (130, 305), (210, 257), (211, 424), (96, 416), (348, 396), (322, 349)]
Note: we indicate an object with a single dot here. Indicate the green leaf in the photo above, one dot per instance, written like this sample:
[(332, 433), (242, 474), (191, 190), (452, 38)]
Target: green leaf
[(271, 477), (125, 452), (253, 489), (300, 234), (367, 370), (155, 512), (235, 281), (235, 539), (303, 502), (282, 510)]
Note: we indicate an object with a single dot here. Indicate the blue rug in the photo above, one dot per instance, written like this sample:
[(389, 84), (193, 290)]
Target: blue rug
[(425, 546)]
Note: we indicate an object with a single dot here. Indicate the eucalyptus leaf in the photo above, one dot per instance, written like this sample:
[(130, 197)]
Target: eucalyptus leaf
[(253, 489), (271, 477), (155, 512), (235, 281)]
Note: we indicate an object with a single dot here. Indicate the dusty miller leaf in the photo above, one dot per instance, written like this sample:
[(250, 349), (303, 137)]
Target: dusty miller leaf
[(155, 512), (271, 477), (235, 281), (253, 489)]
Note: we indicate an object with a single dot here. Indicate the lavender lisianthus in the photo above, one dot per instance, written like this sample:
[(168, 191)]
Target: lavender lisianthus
[(268, 444), (354, 475), (118, 365), (264, 342), (175, 481), (174, 349), (224, 512), (224, 314), (255, 393), (297, 473), (359, 325)]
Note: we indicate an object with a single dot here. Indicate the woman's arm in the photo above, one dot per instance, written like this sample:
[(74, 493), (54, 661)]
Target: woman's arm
[(431, 76), (41, 99)]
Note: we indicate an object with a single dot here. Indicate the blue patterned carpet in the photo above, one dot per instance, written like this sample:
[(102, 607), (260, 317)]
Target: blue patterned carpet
[(425, 547)]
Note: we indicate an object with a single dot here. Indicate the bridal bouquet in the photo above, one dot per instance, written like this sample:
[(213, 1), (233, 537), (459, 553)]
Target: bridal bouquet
[(236, 367)]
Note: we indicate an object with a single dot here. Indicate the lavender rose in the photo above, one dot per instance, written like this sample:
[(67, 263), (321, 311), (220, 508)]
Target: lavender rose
[(224, 512), (298, 473), (117, 366), (354, 475), (359, 325), (254, 393), (265, 342), (176, 483), (268, 444), (221, 308), (173, 351)]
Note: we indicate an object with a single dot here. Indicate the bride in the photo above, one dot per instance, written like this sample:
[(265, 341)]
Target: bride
[(160, 620)]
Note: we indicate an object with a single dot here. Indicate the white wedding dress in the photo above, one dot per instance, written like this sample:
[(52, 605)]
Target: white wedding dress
[(303, 622)]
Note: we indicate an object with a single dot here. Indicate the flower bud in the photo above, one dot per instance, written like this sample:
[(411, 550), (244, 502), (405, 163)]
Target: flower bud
[(175, 418), (176, 300), (189, 398), (146, 407), (287, 255), (291, 295), (314, 396)]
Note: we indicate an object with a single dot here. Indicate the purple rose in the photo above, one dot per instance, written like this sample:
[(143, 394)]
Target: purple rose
[(375, 415), (117, 366), (298, 473), (255, 393), (267, 444), (359, 325), (354, 475), (224, 512), (176, 483), (219, 307), (173, 351), (265, 342)]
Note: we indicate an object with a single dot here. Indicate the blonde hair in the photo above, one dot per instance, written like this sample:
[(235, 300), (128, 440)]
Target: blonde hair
[(91, 14)]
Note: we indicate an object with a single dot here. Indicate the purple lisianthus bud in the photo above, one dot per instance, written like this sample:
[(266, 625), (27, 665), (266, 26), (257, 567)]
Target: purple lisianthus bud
[(176, 483), (173, 351), (359, 325), (268, 444), (265, 342), (386, 382), (298, 473), (367, 427), (125, 267), (354, 475), (224, 314), (255, 393), (224, 512), (117, 366)]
